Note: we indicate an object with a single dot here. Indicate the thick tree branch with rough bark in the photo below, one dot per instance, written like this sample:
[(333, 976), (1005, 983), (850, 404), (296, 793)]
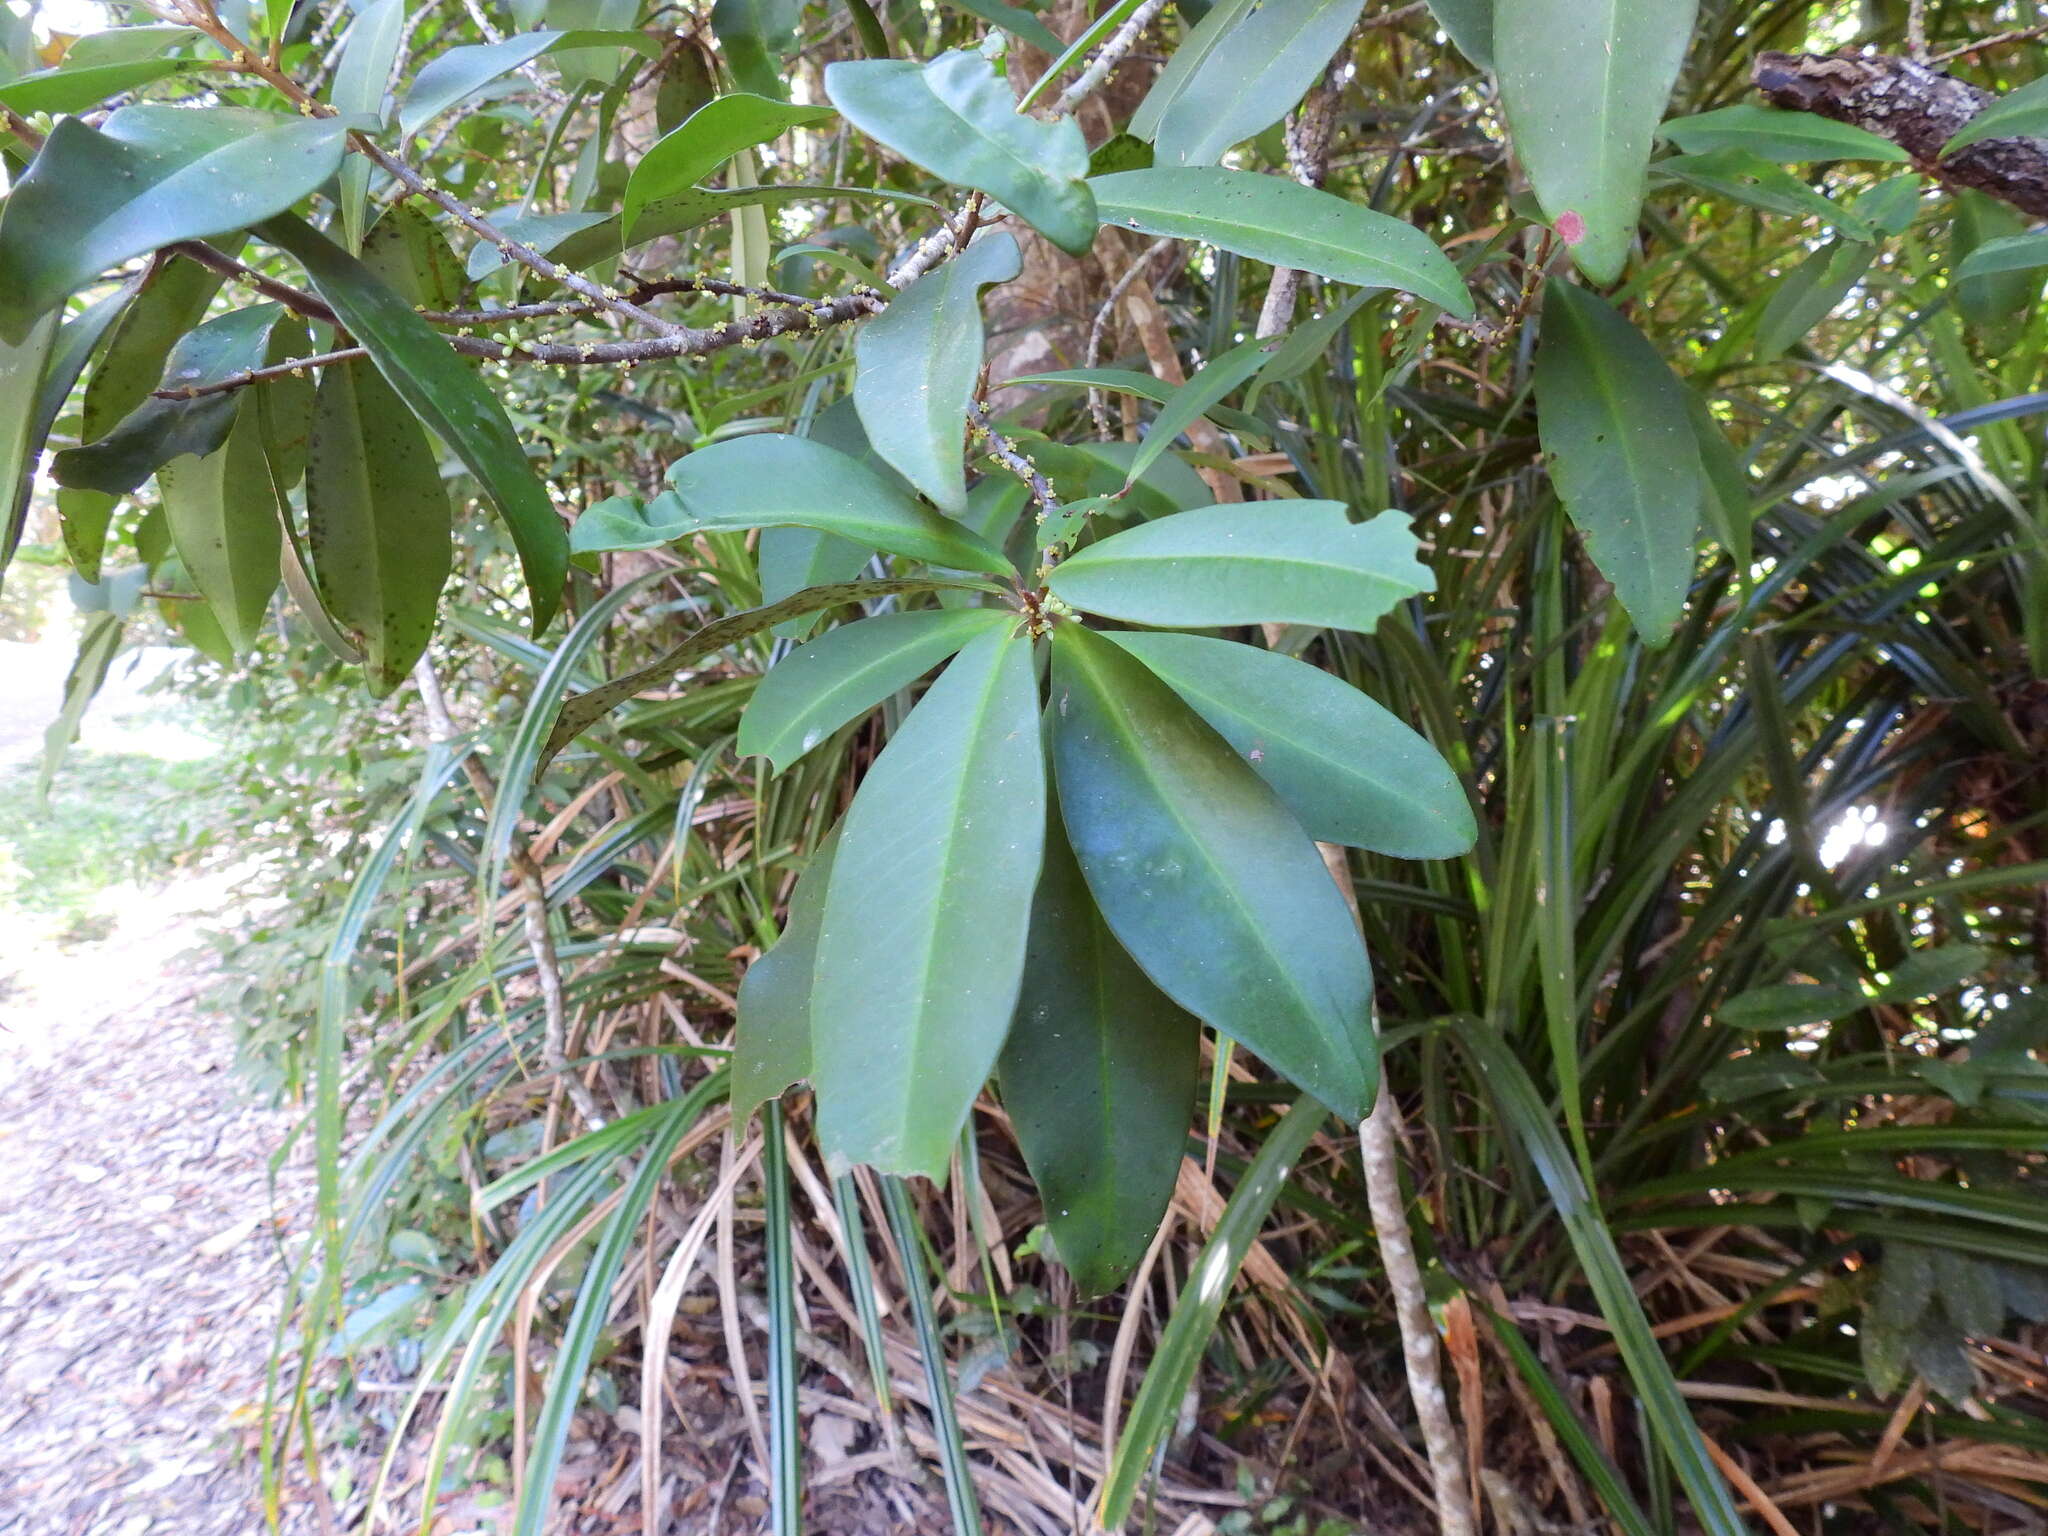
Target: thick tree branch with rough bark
[(1918, 108)]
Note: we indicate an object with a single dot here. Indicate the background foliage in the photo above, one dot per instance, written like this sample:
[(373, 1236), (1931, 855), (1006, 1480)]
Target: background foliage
[(1716, 1033)]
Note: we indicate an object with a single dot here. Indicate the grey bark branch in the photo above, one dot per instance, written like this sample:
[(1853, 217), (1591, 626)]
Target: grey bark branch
[(1915, 106)]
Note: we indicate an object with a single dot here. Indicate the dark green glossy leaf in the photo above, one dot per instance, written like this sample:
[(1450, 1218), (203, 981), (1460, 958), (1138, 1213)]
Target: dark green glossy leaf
[(921, 949), (958, 119), (1277, 220), (442, 391), (1267, 562), (1584, 83), (454, 76), (1792, 137), (1098, 1077), (1623, 456), (847, 671), (377, 520), (160, 430), (773, 479), (1015, 20), (406, 250), (713, 134), (1350, 771), (1205, 877), (83, 516), (772, 1041), (147, 177), (1259, 69), (224, 524), (74, 89), (918, 363), (21, 376)]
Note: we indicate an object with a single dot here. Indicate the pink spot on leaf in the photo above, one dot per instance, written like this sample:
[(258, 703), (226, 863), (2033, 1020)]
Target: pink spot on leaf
[(1571, 228)]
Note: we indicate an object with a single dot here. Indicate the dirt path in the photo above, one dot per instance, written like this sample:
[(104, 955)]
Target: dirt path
[(139, 1259)]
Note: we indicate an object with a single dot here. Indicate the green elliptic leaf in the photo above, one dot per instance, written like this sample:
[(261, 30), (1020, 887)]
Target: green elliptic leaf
[(377, 520), (362, 78), (1277, 220), (771, 1050), (2022, 114), (453, 77), (1098, 1076), (173, 301), (445, 394), (1350, 771), (621, 522), (1267, 562), (123, 45), (99, 641), (1015, 20), (1204, 876), (712, 135), (1791, 137), (223, 517), (1261, 67), (74, 89), (1469, 24), (589, 245), (2012, 253), (772, 479), (147, 177), (83, 517), (406, 250), (1744, 177), (1584, 83), (847, 671), (1182, 65), (1995, 302), (918, 362), (160, 430), (1792, 1005), (1618, 431), (921, 949), (958, 118), (755, 36), (21, 372)]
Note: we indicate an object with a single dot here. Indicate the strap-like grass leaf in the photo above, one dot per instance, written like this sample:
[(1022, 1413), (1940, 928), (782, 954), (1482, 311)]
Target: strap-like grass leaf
[(1350, 771), (1268, 562), (446, 395), (772, 479), (1099, 1077), (223, 517), (1624, 459), (1528, 1120), (147, 177), (1188, 1333), (1276, 220), (922, 945), (958, 118), (583, 710), (1584, 83), (772, 1042), (1791, 137), (847, 671), (1246, 84), (709, 137), (918, 362), (377, 520), (1204, 876)]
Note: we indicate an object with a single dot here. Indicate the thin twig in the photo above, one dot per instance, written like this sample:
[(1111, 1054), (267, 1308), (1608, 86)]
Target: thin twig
[(1107, 57)]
